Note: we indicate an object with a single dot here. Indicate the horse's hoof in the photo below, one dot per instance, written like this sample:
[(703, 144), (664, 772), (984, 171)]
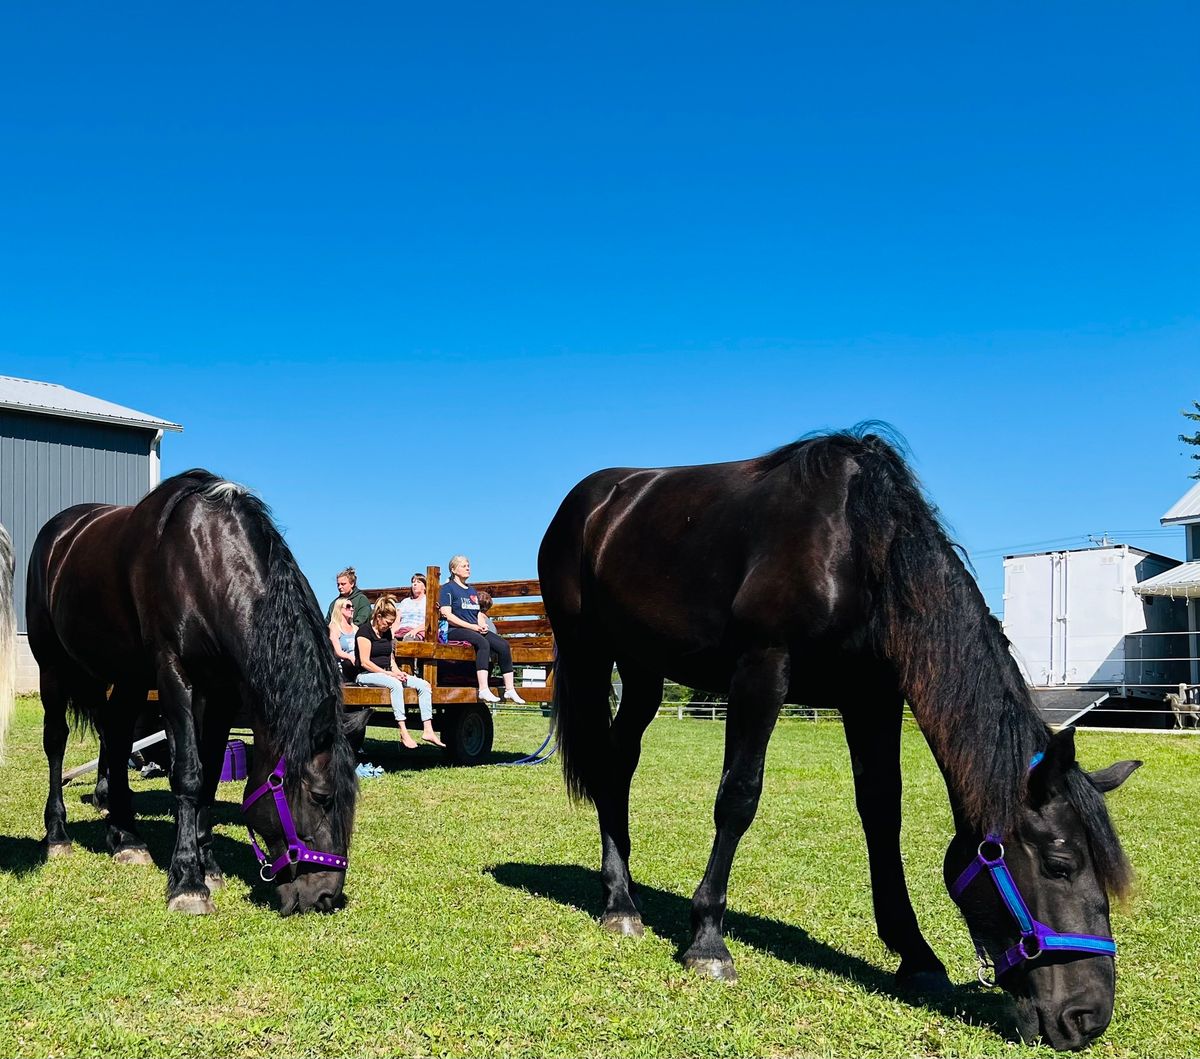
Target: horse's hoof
[(133, 855), (54, 850), (214, 882), (928, 983), (629, 926), (711, 967), (192, 904)]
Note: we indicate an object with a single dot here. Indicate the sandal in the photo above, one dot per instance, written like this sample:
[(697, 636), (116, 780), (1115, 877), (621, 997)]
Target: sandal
[(433, 740)]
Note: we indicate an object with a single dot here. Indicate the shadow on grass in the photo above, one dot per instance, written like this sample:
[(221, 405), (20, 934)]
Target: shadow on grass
[(21, 856), (669, 915), (392, 755)]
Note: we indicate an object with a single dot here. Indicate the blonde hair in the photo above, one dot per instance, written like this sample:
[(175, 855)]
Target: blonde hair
[(385, 611), (335, 616), (457, 560)]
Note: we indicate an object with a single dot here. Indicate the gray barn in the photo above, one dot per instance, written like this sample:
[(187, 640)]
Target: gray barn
[(59, 447)]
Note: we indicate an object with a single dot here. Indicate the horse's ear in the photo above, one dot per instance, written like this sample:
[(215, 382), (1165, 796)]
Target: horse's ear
[(1109, 779), (1057, 759), (324, 725), (355, 721)]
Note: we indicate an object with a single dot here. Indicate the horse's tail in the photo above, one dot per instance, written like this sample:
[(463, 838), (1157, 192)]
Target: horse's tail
[(580, 720), (8, 635), (580, 712)]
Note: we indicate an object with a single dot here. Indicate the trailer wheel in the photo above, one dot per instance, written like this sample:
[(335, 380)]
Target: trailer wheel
[(468, 734)]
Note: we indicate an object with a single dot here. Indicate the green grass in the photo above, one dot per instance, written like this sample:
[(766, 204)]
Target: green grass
[(470, 928)]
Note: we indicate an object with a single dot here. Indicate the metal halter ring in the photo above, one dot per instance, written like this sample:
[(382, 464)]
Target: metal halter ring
[(995, 844)]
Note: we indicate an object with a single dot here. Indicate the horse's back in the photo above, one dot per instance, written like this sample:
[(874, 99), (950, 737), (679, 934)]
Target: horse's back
[(78, 599), (693, 562)]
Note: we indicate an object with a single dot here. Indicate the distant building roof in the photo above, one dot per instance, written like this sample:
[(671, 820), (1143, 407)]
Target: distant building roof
[(1182, 581), (1186, 509), (48, 398), (1094, 548)]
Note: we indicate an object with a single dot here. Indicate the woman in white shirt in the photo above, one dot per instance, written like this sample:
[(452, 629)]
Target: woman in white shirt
[(410, 612)]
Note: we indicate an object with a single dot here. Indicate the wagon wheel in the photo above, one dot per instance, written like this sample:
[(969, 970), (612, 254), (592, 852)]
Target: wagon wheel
[(469, 734)]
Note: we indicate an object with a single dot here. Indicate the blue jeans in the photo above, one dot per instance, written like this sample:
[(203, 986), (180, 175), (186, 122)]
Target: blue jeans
[(386, 680)]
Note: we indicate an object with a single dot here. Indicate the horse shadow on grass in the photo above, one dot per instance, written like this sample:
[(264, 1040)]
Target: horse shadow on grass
[(21, 855), (669, 915)]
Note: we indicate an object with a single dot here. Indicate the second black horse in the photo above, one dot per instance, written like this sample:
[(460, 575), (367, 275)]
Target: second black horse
[(769, 580)]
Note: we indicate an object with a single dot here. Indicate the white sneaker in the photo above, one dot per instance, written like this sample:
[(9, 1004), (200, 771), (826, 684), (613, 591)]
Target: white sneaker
[(512, 696), (487, 696)]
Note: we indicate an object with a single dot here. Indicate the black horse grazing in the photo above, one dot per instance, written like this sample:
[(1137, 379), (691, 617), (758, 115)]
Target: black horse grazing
[(771, 580), (193, 591)]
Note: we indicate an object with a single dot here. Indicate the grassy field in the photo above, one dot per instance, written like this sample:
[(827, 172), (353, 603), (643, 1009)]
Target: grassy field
[(470, 928)]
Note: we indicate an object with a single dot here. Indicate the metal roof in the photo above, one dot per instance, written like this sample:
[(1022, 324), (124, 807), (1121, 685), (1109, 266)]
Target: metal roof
[(48, 398), (1186, 509), (1182, 581), (1093, 548)]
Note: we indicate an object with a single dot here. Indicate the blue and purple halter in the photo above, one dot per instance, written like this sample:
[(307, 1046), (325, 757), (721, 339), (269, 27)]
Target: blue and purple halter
[(296, 850), (1036, 938)]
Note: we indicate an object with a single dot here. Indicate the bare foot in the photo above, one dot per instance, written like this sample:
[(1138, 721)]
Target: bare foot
[(432, 739), (408, 741)]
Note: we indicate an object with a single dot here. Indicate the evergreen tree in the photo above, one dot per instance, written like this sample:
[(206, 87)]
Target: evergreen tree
[(1192, 439)]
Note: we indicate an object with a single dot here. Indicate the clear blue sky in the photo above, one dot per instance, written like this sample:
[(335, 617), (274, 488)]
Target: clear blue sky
[(332, 242)]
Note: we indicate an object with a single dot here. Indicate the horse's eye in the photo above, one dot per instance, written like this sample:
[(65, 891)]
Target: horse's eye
[(322, 797), (1059, 869)]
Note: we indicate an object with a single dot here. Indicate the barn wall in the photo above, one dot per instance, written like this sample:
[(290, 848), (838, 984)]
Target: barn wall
[(48, 463)]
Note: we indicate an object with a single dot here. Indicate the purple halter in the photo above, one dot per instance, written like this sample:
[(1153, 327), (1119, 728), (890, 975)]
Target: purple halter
[(296, 852), (1036, 938)]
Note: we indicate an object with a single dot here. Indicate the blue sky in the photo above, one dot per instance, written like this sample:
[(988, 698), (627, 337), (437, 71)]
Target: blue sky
[(336, 245)]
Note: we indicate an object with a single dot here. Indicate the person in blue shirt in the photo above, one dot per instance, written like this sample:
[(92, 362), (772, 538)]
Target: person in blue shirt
[(459, 604)]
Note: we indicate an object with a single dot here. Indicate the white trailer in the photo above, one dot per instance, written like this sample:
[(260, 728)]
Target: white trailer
[(1072, 618)]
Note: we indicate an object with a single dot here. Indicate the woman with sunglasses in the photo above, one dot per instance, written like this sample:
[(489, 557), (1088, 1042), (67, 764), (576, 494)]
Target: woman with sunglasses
[(341, 634)]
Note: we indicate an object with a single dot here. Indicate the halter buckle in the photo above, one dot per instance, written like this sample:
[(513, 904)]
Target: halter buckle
[(986, 972), (266, 872)]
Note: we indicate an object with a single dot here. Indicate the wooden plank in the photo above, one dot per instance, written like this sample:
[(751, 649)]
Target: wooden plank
[(433, 589), (358, 695), (416, 649), (544, 642), (533, 609), (501, 589), (508, 626), (541, 656)]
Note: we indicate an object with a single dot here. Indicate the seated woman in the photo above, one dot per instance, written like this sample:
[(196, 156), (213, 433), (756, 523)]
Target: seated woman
[(459, 605), (341, 634), (375, 662), (410, 613)]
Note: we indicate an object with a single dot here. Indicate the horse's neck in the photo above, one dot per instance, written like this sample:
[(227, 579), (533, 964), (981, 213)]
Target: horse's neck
[(968, 696)]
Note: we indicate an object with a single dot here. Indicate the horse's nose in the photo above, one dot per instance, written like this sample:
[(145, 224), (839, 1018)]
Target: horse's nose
[(1091, 1023), (1078, 1027)]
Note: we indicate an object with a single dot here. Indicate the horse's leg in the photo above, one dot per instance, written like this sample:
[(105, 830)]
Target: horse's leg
[(215, 713), (186, 889), (756, 693), (124, 842), (100, 791), (54, 742), (874, 741), (641, 695)]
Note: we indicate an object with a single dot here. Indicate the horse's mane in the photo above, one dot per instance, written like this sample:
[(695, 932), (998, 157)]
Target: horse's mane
[(928, 617), (291, 669)]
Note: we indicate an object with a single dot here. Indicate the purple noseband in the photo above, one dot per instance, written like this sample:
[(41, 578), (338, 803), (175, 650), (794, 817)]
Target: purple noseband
[(1036, 938), (296, 852)]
